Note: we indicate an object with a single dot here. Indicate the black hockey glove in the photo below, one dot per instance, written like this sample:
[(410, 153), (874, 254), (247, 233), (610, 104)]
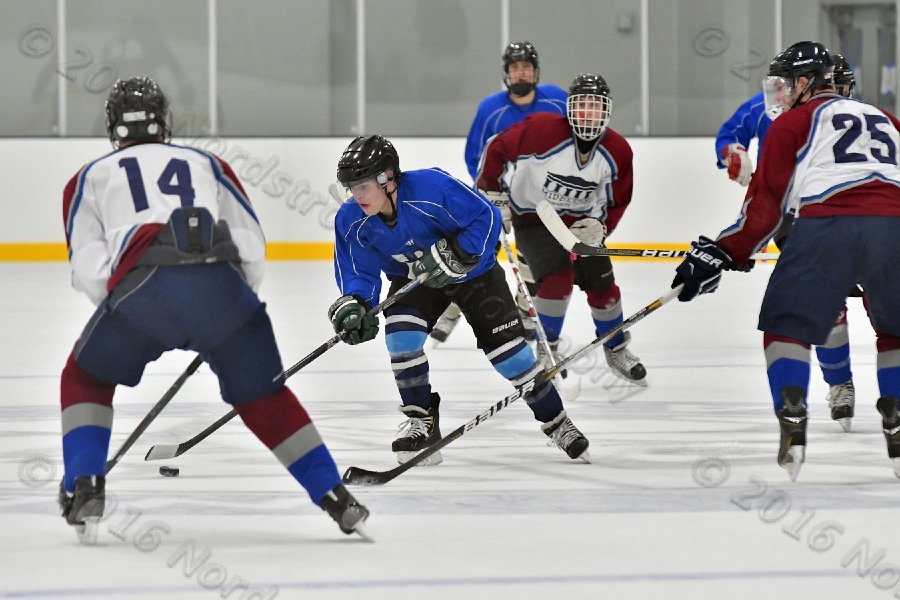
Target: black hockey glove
[(445, 262), (352, 320), (702, 270)]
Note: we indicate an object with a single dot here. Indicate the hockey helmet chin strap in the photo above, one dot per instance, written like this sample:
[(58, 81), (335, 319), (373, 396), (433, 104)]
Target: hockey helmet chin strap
[(382, 179)]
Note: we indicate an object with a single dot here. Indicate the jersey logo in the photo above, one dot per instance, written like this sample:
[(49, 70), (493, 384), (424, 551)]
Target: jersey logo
[(568, 190)]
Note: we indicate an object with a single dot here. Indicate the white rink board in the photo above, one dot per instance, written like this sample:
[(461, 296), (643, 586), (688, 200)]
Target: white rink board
[(679, 193)]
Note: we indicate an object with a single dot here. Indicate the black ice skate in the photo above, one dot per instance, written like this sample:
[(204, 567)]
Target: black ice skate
[(349, 514), (445, 325), (841, 399), (624, 364), (890, 422), (792, 419), (564, 435), (83, 509), (420, 430)]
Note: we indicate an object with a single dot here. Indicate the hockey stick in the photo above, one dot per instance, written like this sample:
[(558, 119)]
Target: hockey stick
[(336, 193), (359, 476), (154, 412), (166, 451), (569, 393), (570, 241)]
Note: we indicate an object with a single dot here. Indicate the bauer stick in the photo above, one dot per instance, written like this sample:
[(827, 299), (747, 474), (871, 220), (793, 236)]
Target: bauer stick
[(359, 476), (166, 451), (569, 393), (154, 412), (570, 241)]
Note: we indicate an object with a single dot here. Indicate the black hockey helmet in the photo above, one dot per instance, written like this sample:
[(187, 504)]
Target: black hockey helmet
[(844, 81), (588, 106), (137, 109), (517, 51), (368, 157), (804, 59)]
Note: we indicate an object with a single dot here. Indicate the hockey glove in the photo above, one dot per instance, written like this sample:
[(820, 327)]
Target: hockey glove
[(740, 167), (352, 320), (501, 201), (702, 270), (445, 262), (589, 231)]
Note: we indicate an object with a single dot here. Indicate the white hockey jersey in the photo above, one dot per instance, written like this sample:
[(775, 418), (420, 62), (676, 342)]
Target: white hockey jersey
[(114, 207)]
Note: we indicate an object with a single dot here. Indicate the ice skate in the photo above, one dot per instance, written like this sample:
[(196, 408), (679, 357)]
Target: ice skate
[(83, 509), (792, 419), (420, 430), (624, 364), (565, 436), (890, 422), (841, 399), (349, 514), (445, 325)]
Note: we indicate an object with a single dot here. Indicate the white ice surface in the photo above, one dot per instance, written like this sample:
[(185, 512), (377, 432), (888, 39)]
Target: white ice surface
[(656, 515)]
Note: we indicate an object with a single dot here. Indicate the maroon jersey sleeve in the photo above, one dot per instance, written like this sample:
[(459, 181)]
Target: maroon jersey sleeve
[(623, 183), (537, 134)]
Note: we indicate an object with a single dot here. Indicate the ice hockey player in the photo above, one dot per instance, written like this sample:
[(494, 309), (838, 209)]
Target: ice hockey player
[(404, 224), (752, 120), (583, 169), (523, 96), (163, 239), (832, 161)]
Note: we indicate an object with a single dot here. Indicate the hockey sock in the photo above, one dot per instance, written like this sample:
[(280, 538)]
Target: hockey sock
[(283, 425), (552, 301), (516, 362), (606, 311), (87, 415), (787, 364), (834, 354), (405, 334), (888, 365)]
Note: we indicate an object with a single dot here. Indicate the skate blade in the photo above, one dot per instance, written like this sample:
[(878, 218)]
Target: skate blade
[(794, 460), (436, 341), (585, 457), (638, 382), (434, 459), (896, 462), (845, 424), (87, 533), (363, 530)]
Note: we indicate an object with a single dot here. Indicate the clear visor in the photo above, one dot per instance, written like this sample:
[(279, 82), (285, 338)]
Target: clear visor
[(366, 185), (779, 95), (588, 115)]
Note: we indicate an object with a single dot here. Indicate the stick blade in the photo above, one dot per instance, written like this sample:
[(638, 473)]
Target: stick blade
[(360, 476), (163, 451)]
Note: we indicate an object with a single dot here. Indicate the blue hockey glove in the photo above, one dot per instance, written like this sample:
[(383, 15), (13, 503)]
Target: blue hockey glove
[(349, 316), (444, 262), (702, 270)]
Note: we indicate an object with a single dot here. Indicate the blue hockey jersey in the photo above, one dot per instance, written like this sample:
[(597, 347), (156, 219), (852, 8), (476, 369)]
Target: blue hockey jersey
[(748, 121), (431, 204), (497, 113)]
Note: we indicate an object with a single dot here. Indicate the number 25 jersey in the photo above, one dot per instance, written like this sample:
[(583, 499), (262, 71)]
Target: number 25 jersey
[(830, 156)]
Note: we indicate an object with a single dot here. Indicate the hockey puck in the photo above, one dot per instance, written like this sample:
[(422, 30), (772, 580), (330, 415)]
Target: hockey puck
[(169, 471)]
